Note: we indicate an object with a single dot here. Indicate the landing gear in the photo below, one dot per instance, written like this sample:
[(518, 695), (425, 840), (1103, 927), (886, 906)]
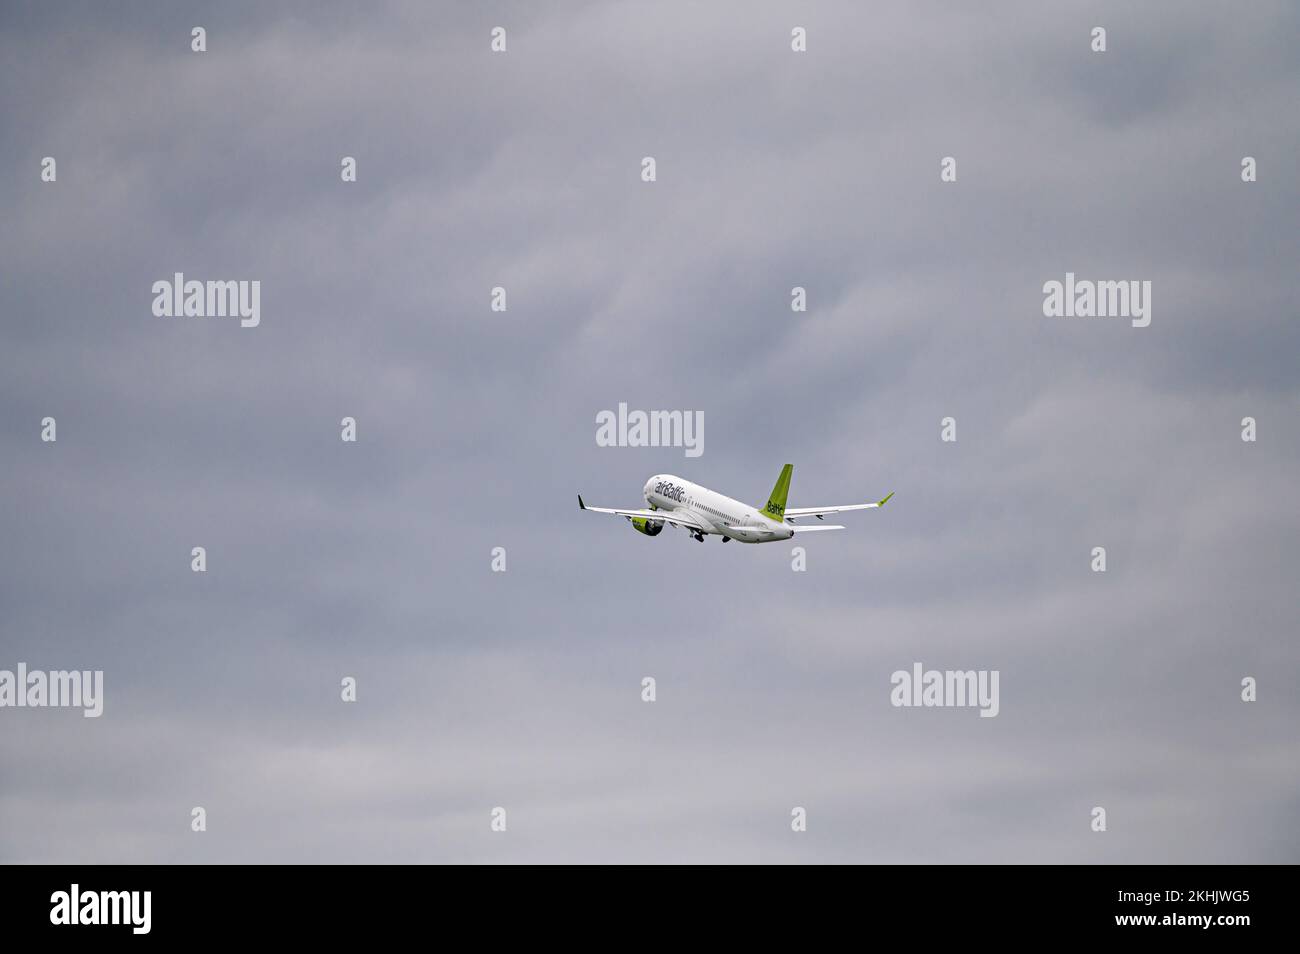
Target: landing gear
[(699, 538), (725, 538)]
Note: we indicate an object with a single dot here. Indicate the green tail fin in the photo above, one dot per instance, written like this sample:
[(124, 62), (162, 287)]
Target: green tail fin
[(775, 509)]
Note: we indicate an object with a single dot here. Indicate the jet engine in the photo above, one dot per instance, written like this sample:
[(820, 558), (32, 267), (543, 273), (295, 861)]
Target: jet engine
[(647, 526)]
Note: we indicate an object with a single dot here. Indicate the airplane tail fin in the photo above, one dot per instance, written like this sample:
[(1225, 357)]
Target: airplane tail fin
[(775, 509)]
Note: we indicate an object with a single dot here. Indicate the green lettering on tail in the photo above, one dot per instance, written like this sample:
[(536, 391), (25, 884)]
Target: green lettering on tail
[(775, 509)]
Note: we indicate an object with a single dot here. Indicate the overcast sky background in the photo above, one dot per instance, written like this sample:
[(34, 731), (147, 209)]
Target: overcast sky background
[(476, 430)]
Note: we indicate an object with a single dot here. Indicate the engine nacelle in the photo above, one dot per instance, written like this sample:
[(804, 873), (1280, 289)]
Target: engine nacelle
[(647, 526)]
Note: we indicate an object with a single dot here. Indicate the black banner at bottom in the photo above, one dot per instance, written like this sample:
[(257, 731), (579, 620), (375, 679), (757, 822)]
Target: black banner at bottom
[(97, 904)]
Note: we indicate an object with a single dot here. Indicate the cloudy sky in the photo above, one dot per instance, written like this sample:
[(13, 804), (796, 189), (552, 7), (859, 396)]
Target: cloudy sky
[(476, 429)]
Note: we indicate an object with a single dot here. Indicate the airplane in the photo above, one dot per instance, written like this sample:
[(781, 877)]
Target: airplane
[(700, 511)]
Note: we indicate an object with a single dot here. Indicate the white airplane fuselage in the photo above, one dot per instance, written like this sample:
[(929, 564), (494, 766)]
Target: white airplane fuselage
[(724, 516)]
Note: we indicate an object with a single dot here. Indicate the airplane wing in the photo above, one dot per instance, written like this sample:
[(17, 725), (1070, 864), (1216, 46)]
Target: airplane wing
[(674, 517), (819, 512)]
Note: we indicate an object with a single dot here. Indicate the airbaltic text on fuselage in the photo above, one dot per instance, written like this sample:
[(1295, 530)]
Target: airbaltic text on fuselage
[(670, 491), (213, 299), (651, 429)]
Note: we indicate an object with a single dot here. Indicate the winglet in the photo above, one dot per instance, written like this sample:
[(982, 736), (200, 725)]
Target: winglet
[(581, 505), (881, 504)]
